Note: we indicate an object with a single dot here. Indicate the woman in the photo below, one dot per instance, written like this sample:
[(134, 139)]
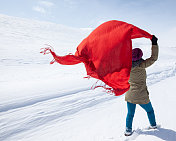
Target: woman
[(138, 93)]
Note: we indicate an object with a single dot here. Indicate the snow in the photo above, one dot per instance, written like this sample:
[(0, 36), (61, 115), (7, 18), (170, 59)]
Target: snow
[(39, 101)]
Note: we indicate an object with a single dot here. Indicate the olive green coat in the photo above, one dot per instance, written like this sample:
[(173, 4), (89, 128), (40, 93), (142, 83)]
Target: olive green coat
[(138, 93)]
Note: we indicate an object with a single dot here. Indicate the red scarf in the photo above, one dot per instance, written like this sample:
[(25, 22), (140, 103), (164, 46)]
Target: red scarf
[(107, 54)]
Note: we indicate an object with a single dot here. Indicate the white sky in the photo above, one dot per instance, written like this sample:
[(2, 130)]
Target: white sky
[(155, 16)]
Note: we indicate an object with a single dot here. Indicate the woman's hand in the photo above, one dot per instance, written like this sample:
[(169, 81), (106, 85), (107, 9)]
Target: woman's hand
[(154, 40)]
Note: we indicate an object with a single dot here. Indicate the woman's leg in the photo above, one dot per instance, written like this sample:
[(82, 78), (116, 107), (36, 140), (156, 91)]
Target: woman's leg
[(150, 112), (129, 119)]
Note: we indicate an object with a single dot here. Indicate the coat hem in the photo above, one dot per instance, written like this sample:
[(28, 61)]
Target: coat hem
[(137, 102)]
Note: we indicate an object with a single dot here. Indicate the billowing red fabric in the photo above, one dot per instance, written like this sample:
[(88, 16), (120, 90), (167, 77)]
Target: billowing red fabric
[(107, 54)]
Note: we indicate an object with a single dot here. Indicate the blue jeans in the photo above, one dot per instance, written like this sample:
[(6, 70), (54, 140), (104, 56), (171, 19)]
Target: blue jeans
[(131, 110)]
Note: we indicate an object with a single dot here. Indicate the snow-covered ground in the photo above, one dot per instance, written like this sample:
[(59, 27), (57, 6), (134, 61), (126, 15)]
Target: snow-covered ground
[(43, 102)]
